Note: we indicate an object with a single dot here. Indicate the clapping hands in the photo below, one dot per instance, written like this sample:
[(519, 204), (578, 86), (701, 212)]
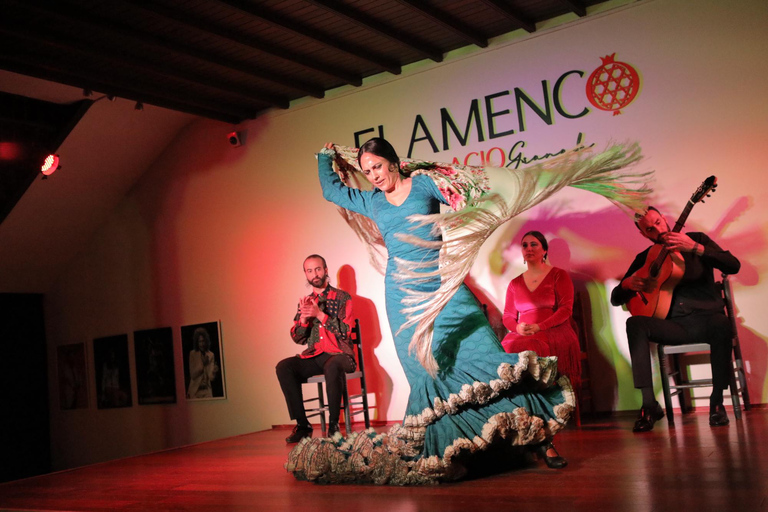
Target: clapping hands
[(308, 308)]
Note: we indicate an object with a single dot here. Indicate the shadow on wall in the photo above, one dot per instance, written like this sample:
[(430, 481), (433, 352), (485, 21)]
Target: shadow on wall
[(747, 245), (599, 370), (378, 382)]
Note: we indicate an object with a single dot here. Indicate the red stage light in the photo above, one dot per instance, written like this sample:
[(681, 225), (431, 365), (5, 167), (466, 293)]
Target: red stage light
[(50, 165), (9, 151)]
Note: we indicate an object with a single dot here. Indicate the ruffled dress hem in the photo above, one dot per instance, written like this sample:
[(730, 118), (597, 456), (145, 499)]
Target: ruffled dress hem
[(395, 458)]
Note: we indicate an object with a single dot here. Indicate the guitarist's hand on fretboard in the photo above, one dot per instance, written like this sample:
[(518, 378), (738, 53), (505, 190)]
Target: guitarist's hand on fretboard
[(679, 242)]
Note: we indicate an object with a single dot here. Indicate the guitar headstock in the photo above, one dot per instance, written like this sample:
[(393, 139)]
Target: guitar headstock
[(706, 189)]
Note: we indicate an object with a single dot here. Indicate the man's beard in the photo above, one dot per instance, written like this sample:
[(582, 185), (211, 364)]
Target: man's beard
[(318, 281)]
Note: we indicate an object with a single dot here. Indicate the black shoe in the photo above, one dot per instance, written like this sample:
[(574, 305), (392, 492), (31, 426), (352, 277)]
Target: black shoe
[(718, 417), (332, 429), (554, 462), (648, 416), (299, 433)]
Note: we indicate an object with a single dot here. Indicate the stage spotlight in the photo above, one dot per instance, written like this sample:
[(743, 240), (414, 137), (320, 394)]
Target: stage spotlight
[(139, 106), (234, 139), (52, 164)]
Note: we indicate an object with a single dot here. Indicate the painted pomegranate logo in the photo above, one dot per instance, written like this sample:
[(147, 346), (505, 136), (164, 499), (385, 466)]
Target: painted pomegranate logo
[(613, 86)]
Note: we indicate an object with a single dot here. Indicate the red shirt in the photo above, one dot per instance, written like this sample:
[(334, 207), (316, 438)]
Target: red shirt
[(332, 336)]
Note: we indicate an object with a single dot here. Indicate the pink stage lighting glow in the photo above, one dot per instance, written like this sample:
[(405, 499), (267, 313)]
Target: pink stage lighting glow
[(50, 165)]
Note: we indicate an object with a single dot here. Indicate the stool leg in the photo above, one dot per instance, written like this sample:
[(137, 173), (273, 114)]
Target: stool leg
[(347, 415), (366, 415), (321, 400), (735, 395), (665, 386)]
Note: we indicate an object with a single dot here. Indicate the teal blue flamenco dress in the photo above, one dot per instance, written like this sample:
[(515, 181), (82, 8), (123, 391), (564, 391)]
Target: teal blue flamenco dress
[(470, 395)]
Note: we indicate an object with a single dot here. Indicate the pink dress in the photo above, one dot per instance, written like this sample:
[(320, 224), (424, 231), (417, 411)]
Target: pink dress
[(550, 305)]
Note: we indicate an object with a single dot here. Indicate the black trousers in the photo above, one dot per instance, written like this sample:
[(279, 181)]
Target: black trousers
[(292, 372), (713, 329)]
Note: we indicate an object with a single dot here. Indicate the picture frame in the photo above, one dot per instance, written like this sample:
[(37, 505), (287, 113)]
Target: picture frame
[(203, 361), (73, 376), (155, 367), (112, 372)]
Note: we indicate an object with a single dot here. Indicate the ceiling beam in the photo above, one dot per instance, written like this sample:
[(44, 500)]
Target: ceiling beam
[(377, 26), (446, 21), (511, 14), (35, 35), (312, 34), (90, 23), (576, 6), (49, 71), (251, 42)]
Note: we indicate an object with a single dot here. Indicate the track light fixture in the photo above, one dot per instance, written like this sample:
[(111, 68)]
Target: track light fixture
[(51, 164), (139, 106)]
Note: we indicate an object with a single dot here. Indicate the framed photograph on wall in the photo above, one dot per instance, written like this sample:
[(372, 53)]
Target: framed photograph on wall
[(73, 381), (203, 362), (155, 372), (113, 378)]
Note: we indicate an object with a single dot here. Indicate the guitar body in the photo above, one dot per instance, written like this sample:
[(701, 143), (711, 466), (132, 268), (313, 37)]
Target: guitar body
[(656, 303)]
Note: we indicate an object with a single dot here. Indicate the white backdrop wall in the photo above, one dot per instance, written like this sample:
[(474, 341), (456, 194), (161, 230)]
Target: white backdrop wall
[(213, 232)]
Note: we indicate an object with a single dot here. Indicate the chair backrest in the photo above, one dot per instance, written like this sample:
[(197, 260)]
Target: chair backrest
[(578, 320), (354, 335)]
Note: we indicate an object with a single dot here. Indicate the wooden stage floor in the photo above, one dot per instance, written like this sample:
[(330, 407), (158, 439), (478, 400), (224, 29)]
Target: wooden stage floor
[(691, 467)]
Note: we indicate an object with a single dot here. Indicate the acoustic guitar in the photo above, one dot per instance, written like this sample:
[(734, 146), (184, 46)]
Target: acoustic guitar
[(665, 266)]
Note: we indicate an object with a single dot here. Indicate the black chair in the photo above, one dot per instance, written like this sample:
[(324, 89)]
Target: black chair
[(580, 322), (359, 400), (682, 383)]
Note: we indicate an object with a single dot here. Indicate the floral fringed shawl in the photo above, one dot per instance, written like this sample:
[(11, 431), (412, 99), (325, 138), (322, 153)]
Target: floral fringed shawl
[(481, 200)]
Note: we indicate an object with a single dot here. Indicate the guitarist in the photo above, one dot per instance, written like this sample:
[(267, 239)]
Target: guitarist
[(696, 313)]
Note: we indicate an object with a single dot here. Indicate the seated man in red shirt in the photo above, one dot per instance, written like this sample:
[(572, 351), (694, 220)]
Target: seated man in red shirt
[(323, 322)]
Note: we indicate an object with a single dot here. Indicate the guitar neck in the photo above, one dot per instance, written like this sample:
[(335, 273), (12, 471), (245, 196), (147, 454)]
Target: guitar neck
[(656, 266), (706, 187), (683, 217)]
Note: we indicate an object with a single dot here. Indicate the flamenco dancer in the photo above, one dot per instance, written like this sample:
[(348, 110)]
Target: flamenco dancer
[(467, 394)]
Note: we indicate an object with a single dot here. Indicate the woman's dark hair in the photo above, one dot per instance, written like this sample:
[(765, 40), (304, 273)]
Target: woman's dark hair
[(379, 147), (542, 240), (201, 331)]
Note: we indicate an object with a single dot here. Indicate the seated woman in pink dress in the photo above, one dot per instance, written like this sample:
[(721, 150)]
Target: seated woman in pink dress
[(538, 310)]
